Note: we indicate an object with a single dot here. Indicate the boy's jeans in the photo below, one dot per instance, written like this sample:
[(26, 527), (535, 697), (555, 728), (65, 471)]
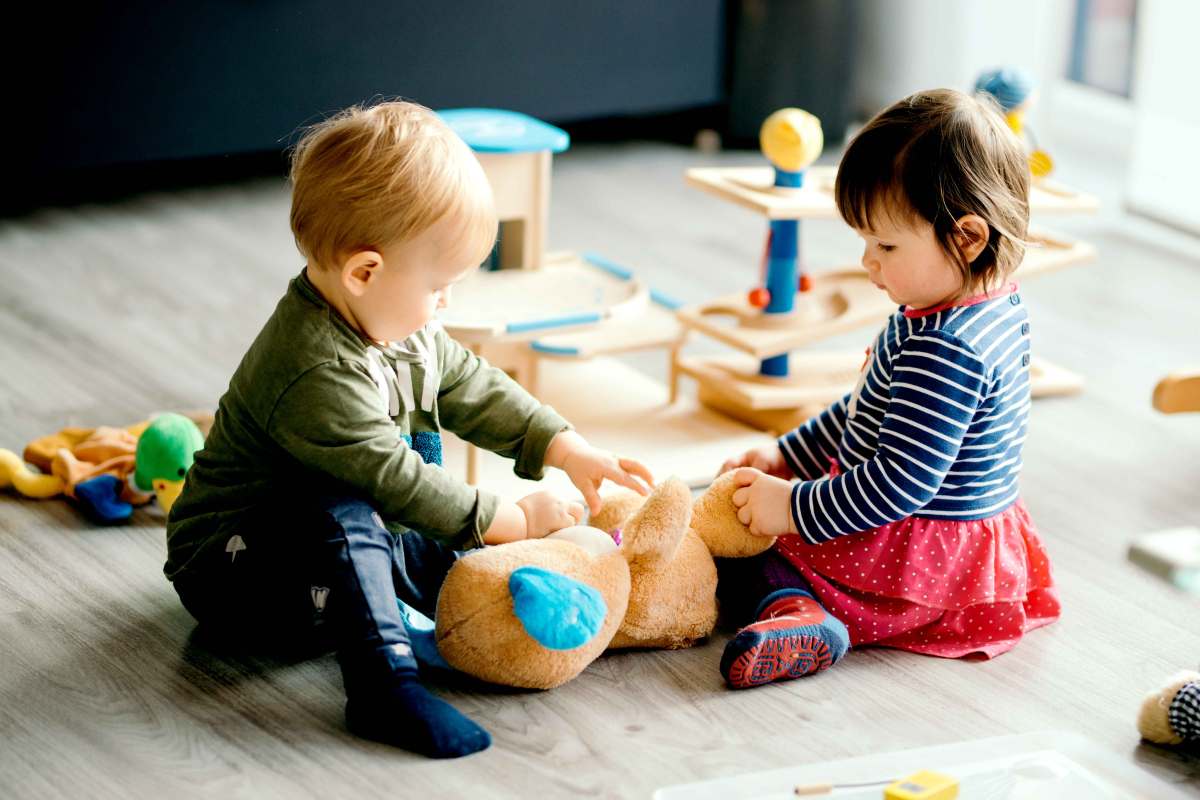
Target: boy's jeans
[(320, 576)]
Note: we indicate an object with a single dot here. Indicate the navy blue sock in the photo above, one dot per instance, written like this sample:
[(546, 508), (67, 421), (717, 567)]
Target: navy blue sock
[(406, 715), (391, 706)]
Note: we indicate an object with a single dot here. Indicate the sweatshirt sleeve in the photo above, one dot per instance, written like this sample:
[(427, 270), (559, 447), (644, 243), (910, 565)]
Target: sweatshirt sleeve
[(484, 406), (809, 448), (331, 421), (938, 383)]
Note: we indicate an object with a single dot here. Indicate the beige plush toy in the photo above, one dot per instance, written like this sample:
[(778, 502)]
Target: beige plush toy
[(1171, 715), (535, 613)]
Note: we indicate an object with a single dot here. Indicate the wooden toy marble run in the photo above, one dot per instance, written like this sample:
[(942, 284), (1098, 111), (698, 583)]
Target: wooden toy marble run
[(776, 385), (526, 304), (528, 309)]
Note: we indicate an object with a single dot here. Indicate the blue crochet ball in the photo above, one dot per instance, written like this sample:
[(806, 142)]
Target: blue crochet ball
[(1009, 86)]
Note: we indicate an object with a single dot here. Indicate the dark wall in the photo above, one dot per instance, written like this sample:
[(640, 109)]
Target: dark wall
[(148, 81)]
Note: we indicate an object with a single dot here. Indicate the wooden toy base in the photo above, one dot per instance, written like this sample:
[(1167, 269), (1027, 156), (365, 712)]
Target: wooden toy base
[(753, 188), (621, 410), (1047, 379), (732, 385), (567, 292), (841, 300)]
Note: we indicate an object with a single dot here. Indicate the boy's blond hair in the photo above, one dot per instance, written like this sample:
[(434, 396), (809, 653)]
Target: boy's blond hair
[(937, 155), (369, 177)]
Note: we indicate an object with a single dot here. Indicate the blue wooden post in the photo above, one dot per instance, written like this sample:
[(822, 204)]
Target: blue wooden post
[(782, 269)]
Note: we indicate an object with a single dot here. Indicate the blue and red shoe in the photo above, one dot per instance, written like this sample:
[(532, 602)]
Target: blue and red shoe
[(794, 636)]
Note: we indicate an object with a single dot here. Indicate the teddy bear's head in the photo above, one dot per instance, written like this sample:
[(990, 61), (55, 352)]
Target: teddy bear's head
[(535, 613)]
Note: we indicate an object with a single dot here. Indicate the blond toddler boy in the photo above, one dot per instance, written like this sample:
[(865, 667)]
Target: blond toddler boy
[(319, 498)]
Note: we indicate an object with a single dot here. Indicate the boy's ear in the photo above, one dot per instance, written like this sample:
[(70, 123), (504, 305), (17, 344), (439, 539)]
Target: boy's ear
[(971, 236), (359, 269)]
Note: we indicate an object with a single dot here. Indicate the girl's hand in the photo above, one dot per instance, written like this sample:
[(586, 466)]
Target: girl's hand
[(588, 467), (764, 502), (546, 513), (767, 458)]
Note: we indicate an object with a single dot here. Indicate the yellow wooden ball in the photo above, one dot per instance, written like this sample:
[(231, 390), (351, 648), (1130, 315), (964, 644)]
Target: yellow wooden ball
[(791, 139)]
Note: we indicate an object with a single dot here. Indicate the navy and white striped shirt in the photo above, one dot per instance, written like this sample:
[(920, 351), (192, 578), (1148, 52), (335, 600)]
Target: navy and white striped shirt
[(934, 429)]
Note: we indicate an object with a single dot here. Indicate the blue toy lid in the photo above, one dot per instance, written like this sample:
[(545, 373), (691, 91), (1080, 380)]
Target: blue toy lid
[(494, 130)]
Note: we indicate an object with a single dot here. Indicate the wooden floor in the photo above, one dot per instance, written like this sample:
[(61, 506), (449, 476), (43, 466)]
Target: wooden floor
[(109, 313)]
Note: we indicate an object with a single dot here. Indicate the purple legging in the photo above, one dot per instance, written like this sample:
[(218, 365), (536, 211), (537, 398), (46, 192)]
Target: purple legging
[(742, 583)]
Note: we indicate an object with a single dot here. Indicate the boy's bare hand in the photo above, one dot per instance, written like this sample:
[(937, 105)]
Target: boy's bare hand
[(764, 503), (546, 512), (767, 458), (588, 468)]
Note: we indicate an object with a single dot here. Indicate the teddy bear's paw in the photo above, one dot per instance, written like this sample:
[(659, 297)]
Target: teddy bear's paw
[(714, 518), (561, 613)]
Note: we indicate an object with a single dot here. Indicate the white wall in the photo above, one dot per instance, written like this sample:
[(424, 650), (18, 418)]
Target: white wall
[(907, 45), (1165, 170)]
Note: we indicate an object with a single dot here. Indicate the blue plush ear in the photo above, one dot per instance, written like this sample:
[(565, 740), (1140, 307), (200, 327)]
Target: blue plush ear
[(559, 612)]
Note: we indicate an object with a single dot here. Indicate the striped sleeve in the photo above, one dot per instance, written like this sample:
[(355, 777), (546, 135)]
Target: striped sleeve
[(938, 383), (809, 448)]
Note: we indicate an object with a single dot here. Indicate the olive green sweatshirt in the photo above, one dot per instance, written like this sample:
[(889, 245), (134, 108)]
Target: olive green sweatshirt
[(316, 407)]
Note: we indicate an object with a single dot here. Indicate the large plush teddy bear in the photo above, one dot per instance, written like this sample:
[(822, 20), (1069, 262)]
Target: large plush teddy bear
[(535, 613)]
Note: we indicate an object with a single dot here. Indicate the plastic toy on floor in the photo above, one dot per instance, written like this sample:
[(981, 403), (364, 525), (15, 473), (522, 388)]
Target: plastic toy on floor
[(16, 473), (535, 613), (107, 471)]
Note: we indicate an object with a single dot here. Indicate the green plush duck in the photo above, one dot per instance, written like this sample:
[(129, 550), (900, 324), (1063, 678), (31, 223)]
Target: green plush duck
[(165, 452)]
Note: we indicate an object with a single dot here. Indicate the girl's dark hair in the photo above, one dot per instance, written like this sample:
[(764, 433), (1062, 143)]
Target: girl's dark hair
[(936, 156)]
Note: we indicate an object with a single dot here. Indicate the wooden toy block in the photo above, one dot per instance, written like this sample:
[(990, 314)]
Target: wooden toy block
[(515, 151), (521, 185)]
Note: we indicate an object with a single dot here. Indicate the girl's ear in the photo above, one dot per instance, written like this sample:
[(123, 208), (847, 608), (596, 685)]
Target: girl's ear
[(971, 236), (359, 269)]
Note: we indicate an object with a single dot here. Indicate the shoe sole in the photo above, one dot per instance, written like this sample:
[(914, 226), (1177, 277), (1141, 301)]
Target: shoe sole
[(779, 658)]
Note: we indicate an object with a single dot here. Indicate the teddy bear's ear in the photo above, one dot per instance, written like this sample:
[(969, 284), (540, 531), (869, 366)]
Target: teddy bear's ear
[(714, 518), (560, 612), (656, 530)]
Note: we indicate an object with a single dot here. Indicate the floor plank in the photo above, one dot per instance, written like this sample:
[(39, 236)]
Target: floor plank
[(108, 313)]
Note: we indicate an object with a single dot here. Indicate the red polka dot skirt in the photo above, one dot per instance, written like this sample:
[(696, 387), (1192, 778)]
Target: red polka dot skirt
[(941, 587)]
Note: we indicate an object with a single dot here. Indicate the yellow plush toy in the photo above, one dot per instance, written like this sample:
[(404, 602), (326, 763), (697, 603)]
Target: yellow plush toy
[(535, 613)]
